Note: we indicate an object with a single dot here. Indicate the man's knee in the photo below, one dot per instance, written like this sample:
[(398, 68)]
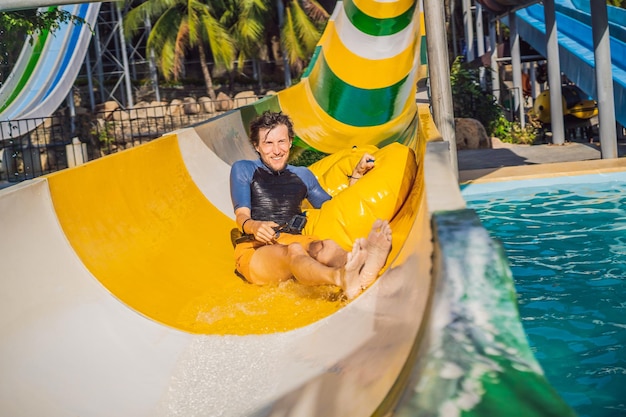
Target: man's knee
[(315, 248), (296, 249), (328, 252)]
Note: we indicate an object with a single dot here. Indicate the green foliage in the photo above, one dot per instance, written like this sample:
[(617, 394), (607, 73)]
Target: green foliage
[(179, 26), (501, 129), (246, 21), (303, 26), (512, 132), (35, 21), (104, 133), (305, 157), (469, 99), (233, 30), (617, 3), (16, 26), (526, 135)]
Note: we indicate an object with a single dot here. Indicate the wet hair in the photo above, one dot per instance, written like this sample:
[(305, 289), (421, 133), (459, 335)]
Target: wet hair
[(269, 120)]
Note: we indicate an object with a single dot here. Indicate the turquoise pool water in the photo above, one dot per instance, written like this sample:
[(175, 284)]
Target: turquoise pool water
[(565, 239)]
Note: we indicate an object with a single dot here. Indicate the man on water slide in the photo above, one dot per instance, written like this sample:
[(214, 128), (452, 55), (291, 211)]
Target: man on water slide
[(267, 196)]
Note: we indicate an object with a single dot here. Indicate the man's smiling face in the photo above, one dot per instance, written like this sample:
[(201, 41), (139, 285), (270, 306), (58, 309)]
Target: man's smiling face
[(274, 147)]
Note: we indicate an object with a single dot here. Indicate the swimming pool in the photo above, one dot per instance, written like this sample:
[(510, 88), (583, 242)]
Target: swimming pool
[(565, 238)]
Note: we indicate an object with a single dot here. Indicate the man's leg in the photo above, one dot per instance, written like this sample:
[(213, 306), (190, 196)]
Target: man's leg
[(325, 262), (310, 271), (328, 252), (276, 263), (270, 265), (378, 246)]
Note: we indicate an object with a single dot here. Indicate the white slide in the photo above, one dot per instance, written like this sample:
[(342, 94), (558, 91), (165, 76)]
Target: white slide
[(45, 73)]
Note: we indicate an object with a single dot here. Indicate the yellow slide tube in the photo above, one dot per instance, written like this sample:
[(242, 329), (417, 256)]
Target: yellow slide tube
[(142, 227)]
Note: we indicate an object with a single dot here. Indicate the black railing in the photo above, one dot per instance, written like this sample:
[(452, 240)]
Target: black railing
[(33, 147)]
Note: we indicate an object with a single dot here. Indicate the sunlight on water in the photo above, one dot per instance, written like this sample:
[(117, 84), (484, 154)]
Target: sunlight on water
[(566, 245)]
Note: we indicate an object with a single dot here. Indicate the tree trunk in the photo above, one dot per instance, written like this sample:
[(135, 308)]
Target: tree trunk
[(231, 80), (257, 72), (206, 73)]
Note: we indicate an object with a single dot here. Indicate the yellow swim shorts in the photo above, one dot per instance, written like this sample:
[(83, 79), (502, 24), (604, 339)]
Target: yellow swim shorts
[(245, 250)]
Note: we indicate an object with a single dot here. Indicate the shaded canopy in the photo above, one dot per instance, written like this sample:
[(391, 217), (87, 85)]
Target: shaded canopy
[(504, 6)]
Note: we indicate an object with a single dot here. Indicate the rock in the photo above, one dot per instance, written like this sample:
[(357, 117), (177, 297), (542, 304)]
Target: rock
[(138, 111), (223, 102), (470, 134), (120, 115), (176, 107), (245, 97), (107, 108), (158, 109), (207, 105), (190, 106)]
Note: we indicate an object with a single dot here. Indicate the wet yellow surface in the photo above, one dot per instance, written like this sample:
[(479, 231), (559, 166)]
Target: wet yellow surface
[(143, 228)]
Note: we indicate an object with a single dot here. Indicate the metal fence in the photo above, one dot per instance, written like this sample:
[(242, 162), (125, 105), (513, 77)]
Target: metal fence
[(33, 147)]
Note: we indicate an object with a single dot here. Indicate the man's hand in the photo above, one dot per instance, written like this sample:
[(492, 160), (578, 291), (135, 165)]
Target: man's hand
[(366, 164), (264, 231)]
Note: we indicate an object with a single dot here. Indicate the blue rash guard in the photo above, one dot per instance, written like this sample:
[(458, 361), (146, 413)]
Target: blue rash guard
[(273, 195)]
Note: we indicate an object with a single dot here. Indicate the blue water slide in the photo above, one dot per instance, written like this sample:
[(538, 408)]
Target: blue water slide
[(41, 79), (576, 45)]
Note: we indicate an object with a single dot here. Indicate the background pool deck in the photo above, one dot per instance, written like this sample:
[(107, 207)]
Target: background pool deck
[(506, 162)]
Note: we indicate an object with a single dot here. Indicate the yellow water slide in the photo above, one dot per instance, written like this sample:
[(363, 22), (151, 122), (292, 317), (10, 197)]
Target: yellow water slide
[(118, 289), (118, 295)]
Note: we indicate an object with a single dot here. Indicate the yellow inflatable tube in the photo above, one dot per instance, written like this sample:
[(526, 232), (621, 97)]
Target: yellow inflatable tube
[(378, 195)]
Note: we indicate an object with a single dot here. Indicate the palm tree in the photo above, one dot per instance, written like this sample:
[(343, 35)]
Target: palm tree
[(297, 23), (303, 25), (181, 25), (245, 20), (240, 32)]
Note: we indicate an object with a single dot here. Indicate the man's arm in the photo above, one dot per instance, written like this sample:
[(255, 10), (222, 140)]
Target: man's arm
[(263, 231), (318, 196), (366, 164), (244, 220)]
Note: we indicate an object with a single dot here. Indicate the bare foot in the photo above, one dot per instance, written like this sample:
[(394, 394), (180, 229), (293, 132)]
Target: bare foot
[(378, 246), (351, 283)]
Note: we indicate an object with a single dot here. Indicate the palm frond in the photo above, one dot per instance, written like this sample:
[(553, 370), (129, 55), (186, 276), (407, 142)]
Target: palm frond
[(180, 47), (289, 39), (165, 60), (249, 34), (219, 40), (195, 10), (135, 18), (306, 31), (163, 41), (164, 29), (315, 11), (246, 20), (253, 8)]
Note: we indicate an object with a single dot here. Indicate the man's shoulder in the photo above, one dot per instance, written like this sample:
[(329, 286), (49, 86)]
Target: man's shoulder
[(245, 165), (300, 170), (246, 162), (304, 173), (243, 170)]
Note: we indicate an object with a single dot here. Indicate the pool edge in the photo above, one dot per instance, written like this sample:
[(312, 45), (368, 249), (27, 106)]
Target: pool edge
[(542, 170)]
